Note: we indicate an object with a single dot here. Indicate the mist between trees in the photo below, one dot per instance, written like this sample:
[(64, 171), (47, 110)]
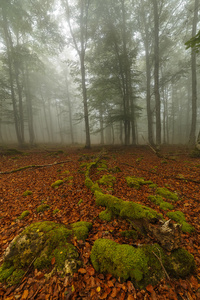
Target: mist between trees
[(89, 72)]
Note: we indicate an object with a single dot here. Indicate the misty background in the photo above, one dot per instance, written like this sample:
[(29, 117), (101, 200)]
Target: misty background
[(98, 72)]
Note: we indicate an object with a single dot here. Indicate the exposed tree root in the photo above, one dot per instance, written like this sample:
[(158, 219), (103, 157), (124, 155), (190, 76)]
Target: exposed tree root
[(35, 167)]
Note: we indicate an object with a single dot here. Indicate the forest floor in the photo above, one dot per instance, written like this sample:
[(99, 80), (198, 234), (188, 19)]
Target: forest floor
[(175, 170)]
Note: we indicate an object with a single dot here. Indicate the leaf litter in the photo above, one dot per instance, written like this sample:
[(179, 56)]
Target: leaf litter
[(65, 202)]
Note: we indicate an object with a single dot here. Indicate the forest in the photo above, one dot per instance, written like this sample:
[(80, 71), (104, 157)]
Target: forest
[(99, 150), (98, 72)]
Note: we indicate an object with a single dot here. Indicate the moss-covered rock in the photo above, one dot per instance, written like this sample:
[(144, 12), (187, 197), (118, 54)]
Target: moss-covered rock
[(179, 217), (136, 182), (42, 208), (158, 200), (164, 192), (24, 214), (81, 229), (57, 183), (139, 264), (39, 243), (125, 209)]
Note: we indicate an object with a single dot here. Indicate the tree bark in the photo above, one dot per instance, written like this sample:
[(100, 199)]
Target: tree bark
[(192, 138), (156, 72)]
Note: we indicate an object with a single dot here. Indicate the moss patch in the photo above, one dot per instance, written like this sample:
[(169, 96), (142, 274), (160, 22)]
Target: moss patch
[(167, 194), (129, 234), (139, 264), (41, 242), (158, 200), (106, 215), (24, 214), (26, 193), (179, 217), (125, 209), (57, 183), (42, 208), (81, 229), (107, 180), (136, 182)]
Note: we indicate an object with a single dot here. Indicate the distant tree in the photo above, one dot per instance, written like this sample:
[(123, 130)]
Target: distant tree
[(80, 41)]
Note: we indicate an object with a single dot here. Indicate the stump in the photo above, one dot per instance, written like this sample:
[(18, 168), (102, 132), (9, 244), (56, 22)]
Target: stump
[(167, 234)]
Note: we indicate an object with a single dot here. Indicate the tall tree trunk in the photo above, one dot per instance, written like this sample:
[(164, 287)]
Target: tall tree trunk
[(156, 72), (84, 6), (192, 138), (8, 43), (70, 109), (146, 39)]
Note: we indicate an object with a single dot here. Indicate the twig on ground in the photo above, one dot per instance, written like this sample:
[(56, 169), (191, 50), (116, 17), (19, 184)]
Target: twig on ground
[(160, 260), (34, 167)]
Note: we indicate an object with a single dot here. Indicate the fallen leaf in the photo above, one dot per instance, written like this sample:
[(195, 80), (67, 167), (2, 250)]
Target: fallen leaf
[(82, 271), (53, 260), (24, 295)]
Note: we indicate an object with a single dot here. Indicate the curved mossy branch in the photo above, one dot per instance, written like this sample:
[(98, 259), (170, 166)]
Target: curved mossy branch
[(34, 166)]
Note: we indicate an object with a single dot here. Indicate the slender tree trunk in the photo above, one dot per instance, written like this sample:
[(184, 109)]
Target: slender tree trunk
[(84, 6), (29, 106), (8, 43), (70, 110), (146, 39), (156, 72), (84, 91), (192, 138), (45, 115)]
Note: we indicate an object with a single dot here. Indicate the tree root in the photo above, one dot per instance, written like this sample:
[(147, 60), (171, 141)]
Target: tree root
[(34, 167)]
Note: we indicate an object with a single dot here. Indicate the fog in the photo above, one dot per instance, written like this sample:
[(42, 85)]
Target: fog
[(99, 72)]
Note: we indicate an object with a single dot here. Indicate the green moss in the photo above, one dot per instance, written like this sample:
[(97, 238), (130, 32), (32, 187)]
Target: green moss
[(130, 234), (43, 241), (42, 208), (26, 193), (57, 183), (138, 264), (24, 214), (166, 206), (179, 263), (80, 201), (106, 215), (5, 272), (125, 209), (179, 217), (69, 178), (15, 277), (153, 186), (136, 182), (88, 182), (107, 180), (158, 200), (56, 211), (81, 229), (95, 187), (167, 194), (115, 170)]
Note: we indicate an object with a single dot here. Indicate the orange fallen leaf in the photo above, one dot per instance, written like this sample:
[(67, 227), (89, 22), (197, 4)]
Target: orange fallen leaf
[(98, 289), (130, 297), (82, 271), (24, 295), (53, 261)]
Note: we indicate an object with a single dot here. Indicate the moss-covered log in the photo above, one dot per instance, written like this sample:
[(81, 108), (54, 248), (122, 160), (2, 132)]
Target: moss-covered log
[(141, 217), (141, 264)]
